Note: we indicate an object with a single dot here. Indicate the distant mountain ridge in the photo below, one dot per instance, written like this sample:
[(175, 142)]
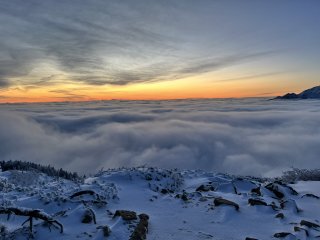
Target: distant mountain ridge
[(312, 93)]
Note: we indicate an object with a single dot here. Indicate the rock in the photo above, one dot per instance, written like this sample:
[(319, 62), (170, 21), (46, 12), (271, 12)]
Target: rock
[(257, 191), (275, 190), (140, 232), (290, 203), (280, 215), (184, 197), (126, 215), (254, 202), (292, 190), (205, 188), (281, 234), (274, 206), (83, 192), (143, 216), (106, 231), (87, 217), (148, 177), (222, 201), (3, 231), (299, 229), (164, 191), (250, 238), (309, 224)]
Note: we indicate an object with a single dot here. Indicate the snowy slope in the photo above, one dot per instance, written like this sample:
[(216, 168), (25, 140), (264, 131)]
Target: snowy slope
[(180, 205)]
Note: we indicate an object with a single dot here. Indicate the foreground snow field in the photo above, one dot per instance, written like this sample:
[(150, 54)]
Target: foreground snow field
[(179, 204)]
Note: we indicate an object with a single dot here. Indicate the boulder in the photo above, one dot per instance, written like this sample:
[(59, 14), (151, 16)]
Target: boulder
[(164, 191), (222, 201), (254, 202), (281, 234), (280, 215), (87, 217), (256, 191), (205, 188)]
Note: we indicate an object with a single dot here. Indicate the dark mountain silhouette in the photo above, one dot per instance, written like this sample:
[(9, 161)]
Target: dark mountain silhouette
[(312, 93)]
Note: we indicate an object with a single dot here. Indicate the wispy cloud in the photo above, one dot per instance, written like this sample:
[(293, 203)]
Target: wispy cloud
[(255, 76), (102, 42)]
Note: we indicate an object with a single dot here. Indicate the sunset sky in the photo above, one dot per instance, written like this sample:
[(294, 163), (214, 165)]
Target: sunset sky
[(78, 50)]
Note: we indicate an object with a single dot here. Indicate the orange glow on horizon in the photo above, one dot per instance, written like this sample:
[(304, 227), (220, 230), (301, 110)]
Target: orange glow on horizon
[(195, 87)]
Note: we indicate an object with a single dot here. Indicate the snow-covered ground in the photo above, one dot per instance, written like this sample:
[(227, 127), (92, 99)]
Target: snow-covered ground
[(180, 205)]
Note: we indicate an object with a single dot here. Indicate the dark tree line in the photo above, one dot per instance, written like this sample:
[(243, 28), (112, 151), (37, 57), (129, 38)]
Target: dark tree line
[(29, 166)]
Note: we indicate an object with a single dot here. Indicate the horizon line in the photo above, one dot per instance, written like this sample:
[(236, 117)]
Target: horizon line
[(134, 100)]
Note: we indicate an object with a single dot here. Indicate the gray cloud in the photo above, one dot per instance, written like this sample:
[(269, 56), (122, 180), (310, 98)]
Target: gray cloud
[(4, 83), (255, 76), (109, 42), (73, 37), (211, 64), (249, 136)]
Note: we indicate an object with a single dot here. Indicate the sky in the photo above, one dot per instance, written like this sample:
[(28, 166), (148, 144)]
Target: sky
[(248, 136), (79, 50)]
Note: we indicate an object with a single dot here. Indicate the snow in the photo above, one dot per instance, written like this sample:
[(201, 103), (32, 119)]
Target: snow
[(172, 217)]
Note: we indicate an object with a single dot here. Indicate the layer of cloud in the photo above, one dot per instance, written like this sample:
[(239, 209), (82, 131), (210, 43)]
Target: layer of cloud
[(249, 136)]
